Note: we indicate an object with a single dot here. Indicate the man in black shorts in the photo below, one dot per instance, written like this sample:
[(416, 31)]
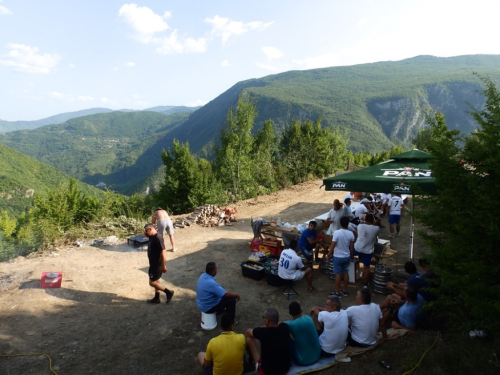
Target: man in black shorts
[(157, 256)]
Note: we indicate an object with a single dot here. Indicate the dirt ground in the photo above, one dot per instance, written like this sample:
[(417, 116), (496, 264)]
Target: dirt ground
[(98, 322)]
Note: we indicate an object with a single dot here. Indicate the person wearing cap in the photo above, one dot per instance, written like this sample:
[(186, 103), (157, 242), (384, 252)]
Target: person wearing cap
[(362, 209), (164, 225)]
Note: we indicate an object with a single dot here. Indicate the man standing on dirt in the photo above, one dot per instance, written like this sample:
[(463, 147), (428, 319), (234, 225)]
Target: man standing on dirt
[(164, 225), (211, 297), (157, 256), (342, 252)]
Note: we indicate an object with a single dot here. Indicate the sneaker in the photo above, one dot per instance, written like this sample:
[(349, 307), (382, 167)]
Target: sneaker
[(365, 286), (390, 236), (169, 296), (154, 300), (317, 260), (397, 234), (344, 293), (334, 294)]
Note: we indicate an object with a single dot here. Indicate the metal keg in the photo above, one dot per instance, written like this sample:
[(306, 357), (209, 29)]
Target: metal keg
[(326, 266), (382, 276)]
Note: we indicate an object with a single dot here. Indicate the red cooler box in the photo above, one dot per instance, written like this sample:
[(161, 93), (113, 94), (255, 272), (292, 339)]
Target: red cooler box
[(51, 279)]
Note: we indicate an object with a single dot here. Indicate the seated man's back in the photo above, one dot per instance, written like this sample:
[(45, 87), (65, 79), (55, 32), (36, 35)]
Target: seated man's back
[(227, 351), (305, 337), (335, 331), (364, 320)]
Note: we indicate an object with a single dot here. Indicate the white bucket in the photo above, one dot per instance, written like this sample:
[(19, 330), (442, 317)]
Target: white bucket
[(208, 321)]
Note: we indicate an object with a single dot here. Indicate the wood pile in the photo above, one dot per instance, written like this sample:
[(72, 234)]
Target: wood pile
[(208, 215)]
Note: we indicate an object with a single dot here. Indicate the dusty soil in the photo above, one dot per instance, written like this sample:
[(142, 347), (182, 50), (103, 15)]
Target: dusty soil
[(99, 323)]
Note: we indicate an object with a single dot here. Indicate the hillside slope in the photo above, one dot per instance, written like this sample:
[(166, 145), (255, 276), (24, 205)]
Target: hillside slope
[(21, 176), (378, 104), (119, 149)]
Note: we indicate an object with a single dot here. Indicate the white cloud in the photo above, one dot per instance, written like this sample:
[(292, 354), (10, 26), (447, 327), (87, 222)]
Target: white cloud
[(272, 53), (85, 98), (196, 103), (105, 100), (71, 66), (24, 58), (225, 63), (130, 64), (172, 44), (362, 21), (4, 11), (56, 95), (267, 67), (144, 21), (320, 61), (225, 28)]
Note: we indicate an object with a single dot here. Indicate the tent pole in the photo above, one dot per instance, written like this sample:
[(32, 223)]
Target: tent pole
[(411, 226)]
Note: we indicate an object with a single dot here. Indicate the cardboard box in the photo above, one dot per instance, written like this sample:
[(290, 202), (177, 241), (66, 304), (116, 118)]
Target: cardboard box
[(51, 279)]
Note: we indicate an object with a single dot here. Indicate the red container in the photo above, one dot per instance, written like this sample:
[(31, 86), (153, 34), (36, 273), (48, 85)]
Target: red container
[(256, 243), (52, 279)]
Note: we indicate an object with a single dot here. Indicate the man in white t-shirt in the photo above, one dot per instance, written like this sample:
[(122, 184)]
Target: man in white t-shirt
[(291, 266), (384, 202), (333, 220), (333, 324), (362, 209), (349, 195), (342, 251), (365, 244), (395, 207), (365, 321)]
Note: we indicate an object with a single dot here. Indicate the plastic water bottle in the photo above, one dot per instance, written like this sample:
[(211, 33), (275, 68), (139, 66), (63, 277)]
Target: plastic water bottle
[(278, 223)]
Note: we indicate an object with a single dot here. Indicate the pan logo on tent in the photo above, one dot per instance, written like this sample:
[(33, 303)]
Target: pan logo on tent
[(403, 188), (339, 185), (407, 172)]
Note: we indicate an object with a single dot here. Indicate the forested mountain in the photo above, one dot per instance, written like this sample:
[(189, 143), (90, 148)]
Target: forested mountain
[(8, 126), (118, 149), (379, 104), (21, 176)]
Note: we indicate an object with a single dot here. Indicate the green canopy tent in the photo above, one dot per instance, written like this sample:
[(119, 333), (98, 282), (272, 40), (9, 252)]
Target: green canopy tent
[(406, 173)]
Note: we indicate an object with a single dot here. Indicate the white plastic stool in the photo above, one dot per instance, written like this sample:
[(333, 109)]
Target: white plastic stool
[(208, 321)]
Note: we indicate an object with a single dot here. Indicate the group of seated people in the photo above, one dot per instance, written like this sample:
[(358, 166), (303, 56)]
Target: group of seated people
[(324, 332)]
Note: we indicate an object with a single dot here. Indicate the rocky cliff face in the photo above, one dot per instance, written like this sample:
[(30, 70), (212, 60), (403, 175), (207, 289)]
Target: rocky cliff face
[(401, 117)]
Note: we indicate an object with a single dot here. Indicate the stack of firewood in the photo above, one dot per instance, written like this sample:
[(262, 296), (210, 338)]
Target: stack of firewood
[(208, 215)]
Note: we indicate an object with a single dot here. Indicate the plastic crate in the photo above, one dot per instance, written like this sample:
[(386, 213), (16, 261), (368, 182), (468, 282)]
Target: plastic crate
[(274, 280), (251, 272)]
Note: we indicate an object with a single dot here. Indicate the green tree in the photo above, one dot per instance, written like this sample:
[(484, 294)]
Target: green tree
[(188, 183), (462, 230), (7, 224), (234, 156), (264, 158), (309, 151)]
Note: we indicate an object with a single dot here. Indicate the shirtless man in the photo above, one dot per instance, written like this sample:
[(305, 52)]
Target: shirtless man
[(164, 225)]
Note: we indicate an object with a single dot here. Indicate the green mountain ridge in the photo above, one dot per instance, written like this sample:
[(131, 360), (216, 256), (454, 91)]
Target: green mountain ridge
[(21, 176), (377, 105), (353, 98), (119, 149), (8, 126)]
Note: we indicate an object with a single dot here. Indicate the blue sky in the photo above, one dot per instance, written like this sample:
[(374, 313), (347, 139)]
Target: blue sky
[(65, 55)]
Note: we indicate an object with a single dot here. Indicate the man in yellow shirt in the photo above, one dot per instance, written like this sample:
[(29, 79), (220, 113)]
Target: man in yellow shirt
[(225, 353)]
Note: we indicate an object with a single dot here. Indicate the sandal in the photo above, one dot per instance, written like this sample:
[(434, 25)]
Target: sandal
[(313, 289)]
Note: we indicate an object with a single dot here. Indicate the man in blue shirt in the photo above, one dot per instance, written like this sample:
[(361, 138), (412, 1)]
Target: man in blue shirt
[(210, 296), (309, 241)]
